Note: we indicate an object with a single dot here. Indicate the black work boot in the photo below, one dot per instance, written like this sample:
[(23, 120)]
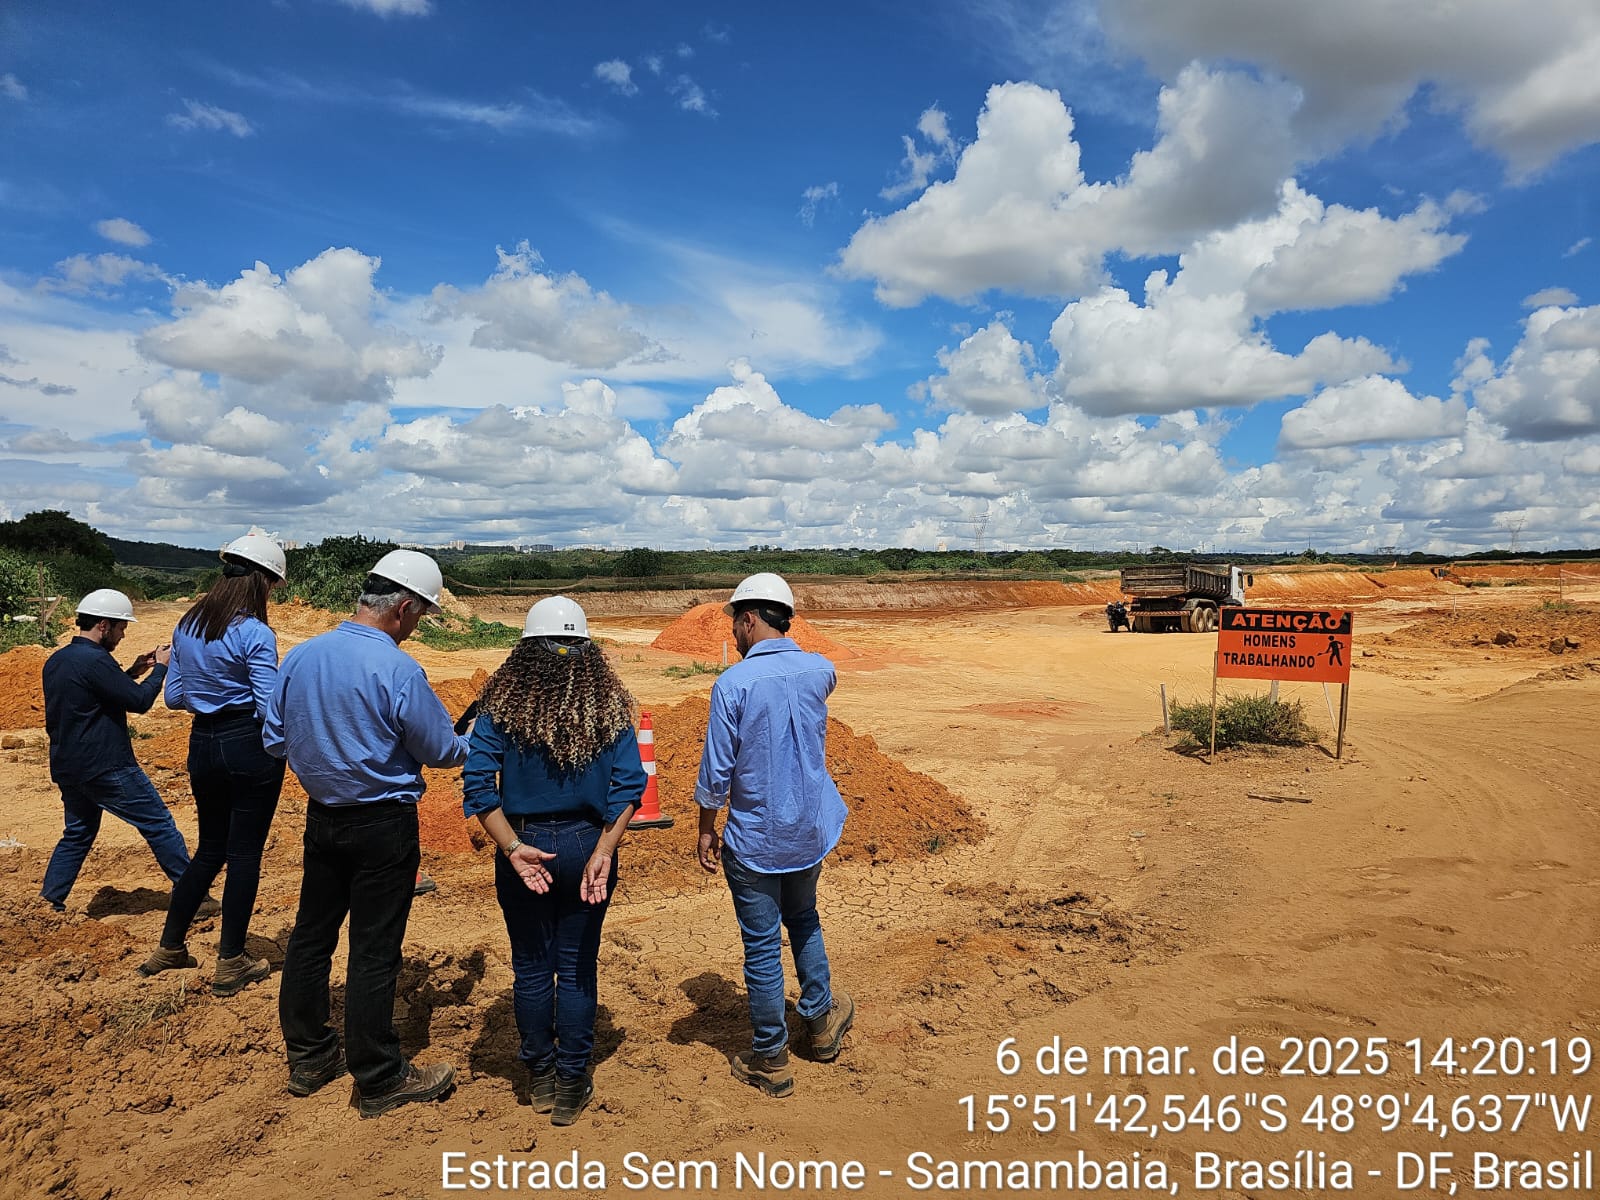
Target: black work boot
[(542, 1089), (828, 1029), (572, 1097), (769, 1073)]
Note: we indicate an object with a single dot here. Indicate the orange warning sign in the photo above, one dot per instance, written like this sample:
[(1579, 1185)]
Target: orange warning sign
[(1306, 645)]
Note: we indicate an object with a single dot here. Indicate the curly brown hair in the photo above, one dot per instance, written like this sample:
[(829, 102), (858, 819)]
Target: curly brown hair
[(571, 706)]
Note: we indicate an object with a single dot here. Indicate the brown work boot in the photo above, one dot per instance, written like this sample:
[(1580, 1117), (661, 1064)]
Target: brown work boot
[(418, 1083), (542, 1089), (208, 909), (828, 1029), (234, 973), (572, 1097), (167, 960), (311, 1077), (772, 1075)]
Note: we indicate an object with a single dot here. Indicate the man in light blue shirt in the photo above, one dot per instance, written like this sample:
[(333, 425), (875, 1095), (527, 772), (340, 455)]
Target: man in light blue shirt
[(765, 761), (355, 717)]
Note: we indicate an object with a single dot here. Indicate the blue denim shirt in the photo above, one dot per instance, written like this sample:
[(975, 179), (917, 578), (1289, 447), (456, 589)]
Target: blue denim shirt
[(355, 717), (240, 667), (524, 783), (766, 759)]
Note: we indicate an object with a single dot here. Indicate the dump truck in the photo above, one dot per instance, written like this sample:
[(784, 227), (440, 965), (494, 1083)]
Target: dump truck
[(1181, 597)]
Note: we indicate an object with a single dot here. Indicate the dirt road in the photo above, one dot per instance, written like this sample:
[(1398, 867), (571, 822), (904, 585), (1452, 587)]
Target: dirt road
[(1437, 883)]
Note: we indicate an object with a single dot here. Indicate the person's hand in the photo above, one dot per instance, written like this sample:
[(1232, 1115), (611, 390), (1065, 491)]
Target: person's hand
[(529, 864), (710, 851), (162, 654), (142, 664), (596, 874)]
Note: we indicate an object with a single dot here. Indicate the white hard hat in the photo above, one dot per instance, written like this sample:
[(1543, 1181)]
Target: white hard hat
[(107, 602), (256, 547), (412, 570), (762, 586), (556, 616)]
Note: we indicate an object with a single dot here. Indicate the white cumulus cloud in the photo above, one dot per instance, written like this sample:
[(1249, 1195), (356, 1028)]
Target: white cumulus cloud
[(989, 373), (122, 231), (617, 74), (1370, 410), (1548, 387)]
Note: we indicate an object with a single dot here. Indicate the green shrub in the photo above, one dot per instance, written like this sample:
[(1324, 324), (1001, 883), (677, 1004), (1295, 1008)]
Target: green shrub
[(20, 583), (1243, 720), (469, 633)]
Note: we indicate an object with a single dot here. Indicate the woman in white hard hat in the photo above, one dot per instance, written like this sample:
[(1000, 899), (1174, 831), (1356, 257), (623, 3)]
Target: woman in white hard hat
[(554, 776), (224, 668)]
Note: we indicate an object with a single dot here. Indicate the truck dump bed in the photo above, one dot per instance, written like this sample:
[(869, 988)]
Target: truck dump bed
[(1176, 579)]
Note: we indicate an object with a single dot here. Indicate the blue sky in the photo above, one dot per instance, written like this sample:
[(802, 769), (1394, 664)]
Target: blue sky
[(1240, 274)]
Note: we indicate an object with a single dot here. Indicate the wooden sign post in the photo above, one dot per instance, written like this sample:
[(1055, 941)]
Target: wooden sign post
[(1301, 645)]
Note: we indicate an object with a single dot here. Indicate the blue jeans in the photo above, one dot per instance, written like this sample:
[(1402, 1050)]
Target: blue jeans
[(555, 946), (126, 793), (361, 861), (236, 785), (764, 906)]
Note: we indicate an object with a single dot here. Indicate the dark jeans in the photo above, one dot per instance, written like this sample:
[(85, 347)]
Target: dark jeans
[(126, 793), (555, 946), (360, 860), (236, 785)]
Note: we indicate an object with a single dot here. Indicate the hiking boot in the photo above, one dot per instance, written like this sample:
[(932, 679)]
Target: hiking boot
[(208, 908), (829, 1028), (772, 1075), (542, 1089), (572, 1097), (167, 960), (233, 973), (424, 885), (418, 1083), (309, 1077)]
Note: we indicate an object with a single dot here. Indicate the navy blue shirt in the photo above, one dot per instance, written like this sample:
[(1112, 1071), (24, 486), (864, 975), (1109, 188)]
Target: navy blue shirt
[(87, 699), (524, 783)]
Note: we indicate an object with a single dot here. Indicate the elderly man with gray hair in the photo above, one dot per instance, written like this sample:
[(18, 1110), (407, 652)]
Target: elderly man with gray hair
[(356, 719)]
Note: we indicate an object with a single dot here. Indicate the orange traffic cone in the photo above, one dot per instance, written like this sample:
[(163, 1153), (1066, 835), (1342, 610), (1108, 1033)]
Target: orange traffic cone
[(649, 814)]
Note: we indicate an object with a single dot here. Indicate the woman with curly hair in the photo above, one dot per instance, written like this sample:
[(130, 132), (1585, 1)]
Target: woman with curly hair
[(553, 776)]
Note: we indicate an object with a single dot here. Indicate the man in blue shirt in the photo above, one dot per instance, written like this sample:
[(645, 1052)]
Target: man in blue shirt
[(87, 699), (355, 717), (765, 761)]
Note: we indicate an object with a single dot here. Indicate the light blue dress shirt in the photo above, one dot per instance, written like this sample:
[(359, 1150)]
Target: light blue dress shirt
[(239, 668), (765, 759), (355, 717)]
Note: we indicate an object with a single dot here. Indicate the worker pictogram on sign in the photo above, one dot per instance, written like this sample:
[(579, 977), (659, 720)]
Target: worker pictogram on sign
[(1293, 645)]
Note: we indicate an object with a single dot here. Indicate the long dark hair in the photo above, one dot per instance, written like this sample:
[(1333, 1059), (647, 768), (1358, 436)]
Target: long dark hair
[(571, 706), (242, 589)]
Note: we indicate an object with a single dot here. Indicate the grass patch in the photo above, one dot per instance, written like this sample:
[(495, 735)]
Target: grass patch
[(1556, 606), (1242, 721), (467, 633), (132, 1017), (693, 669)]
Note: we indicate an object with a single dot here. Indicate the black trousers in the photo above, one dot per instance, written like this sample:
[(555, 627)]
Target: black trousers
[(360, 861), (236, 785)]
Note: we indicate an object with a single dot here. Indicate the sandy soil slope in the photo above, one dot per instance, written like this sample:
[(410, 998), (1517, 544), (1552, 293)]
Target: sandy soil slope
[(1438, 881)]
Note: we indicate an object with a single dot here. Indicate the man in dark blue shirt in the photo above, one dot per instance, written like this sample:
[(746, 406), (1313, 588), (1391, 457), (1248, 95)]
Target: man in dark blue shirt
[(87, 699)]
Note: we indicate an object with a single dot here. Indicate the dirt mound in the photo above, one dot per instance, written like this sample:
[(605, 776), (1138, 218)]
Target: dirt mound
[(704, 630), (22, 687), (895, 812), (1533, 628)]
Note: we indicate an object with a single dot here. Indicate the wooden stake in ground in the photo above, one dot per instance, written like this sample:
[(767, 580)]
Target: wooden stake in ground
[(1215, 660), (1344, 713), (1166, 721)]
